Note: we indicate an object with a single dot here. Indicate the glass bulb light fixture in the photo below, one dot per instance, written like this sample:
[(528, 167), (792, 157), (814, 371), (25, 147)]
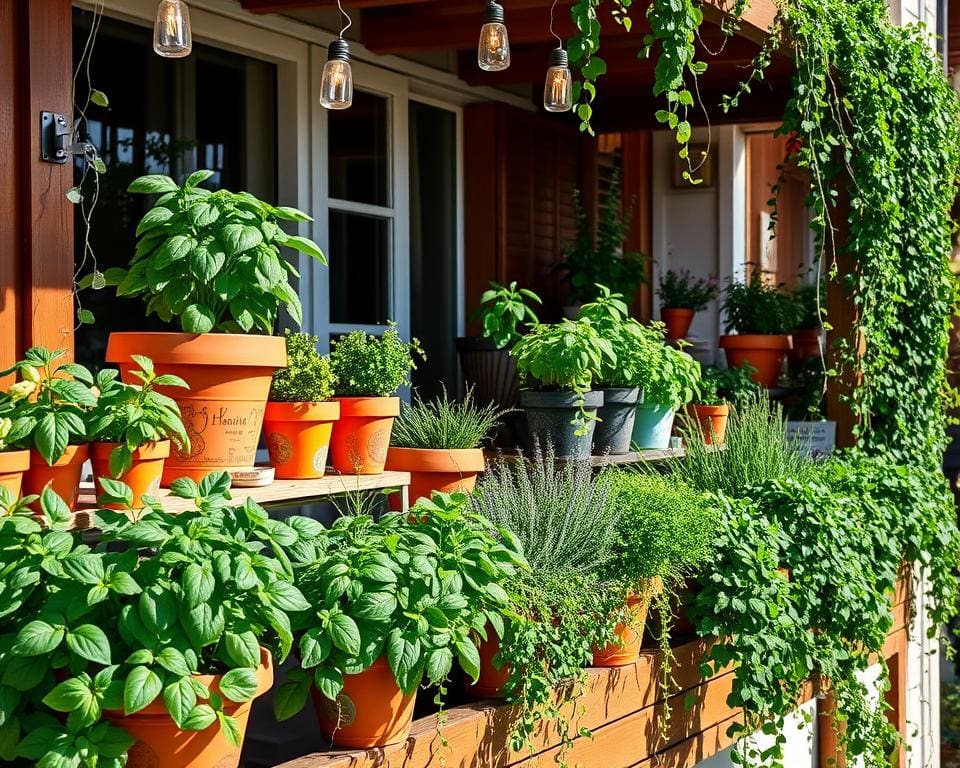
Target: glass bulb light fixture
[(336, 86), (493, 53), (171, 31), (558, 91)]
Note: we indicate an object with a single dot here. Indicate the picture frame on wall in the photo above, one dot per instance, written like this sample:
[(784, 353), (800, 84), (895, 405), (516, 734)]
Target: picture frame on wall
[(699, 156)]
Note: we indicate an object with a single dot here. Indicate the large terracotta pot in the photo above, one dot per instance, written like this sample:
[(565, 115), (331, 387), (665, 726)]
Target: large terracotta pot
[(63, 477), (627, 651), (161, 744), (298, 438), (445, 470), (678, 321), (229, 377), (371, 710), (493, 678), (143, 477), (12, 466), (711, 421), (361, 438), (765, 353)]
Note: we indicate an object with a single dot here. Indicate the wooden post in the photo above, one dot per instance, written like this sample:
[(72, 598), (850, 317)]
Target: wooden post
[(638, 182)]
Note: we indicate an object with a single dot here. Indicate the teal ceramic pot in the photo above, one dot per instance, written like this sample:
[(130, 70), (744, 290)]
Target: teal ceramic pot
[(653, 426)]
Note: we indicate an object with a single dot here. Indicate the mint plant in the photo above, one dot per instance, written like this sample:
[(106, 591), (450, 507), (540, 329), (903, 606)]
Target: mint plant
[(504, 310)]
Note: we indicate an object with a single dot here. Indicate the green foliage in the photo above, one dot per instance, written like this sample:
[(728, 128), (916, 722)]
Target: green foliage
[(503, 311), (133, 415), (681, 290), (372, 366), (132, 621), (308, 377), (587, 265), (728, 385), (808, 300), (49, 405), (755, 450), (673, 379), (444, 423), (419, 593), (212, 259), (756, 307)]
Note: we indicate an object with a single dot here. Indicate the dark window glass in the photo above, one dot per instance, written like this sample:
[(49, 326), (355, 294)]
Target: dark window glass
[(359, 269), (359, 159)]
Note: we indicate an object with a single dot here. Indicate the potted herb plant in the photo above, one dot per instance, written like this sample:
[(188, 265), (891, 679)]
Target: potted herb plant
[(131, 427), (806, 333), (681, 297), (300, 415), (710, 408), (439, 443), (762, 317), (51, 402), (368, 371), (392, 603), (13, 462), (558, 364), (211, 262)]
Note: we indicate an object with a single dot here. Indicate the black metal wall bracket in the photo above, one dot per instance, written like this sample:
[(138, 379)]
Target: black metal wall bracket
[(54, 133)]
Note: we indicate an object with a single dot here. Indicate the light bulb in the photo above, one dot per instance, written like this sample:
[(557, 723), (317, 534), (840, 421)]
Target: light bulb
[(558, 91), (336, 87), (493, 53), (171, 31)]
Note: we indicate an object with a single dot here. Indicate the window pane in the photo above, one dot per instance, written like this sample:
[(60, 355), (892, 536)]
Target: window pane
[(359, 160), (359, 269)]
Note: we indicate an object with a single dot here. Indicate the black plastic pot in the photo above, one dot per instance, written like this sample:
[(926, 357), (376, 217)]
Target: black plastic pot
[(492, 374), (550, 417), (615, 428)]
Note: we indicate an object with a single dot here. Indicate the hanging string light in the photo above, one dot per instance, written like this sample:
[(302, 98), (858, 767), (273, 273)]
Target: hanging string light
[(172, 38), (336, 86), (558, 90), (493, 53)]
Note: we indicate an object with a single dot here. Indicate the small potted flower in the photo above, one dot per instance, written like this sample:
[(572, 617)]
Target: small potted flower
[(369, 370), (558, 365), (762, 317), (718, 389), (131, 427), (300, 415), (681, 297)]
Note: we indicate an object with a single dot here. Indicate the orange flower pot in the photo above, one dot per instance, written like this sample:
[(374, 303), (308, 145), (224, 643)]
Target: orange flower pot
[(63, 477), (229, 377), (445, 470), (12, 466), (765, 353), (712, 421), (678, 321), (161, 744), (298, 438), (627, 651), (806, 345), (492, 681), (371, 710), (143, 477), (361, 438)]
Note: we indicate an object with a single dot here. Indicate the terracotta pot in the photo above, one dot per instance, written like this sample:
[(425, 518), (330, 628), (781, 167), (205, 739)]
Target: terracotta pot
[(764, 352), (298, 438), (143, 477), (711, 421), (627, 651), (806, 345), (678, 321), (371, 710), (492, 681), (161, 744), (63, 476), (360, 439), (12, 466), (229, 377), (445, 470)]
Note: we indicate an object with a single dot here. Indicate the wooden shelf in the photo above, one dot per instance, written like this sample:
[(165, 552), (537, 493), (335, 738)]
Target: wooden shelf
[(610, 459), (280, 493)]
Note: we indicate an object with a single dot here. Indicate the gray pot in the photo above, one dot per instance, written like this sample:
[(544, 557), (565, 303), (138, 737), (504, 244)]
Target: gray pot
[(615, 428), (549, 419)]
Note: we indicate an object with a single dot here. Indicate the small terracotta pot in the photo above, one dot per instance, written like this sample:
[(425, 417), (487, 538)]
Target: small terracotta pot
[(765, 353), (711, 420), (12, 466), (445, 470), (806, 345), (678, 321), (63, 477), (143, 477), (161, 744), (492, 681), (371, 710), (361, 438), (298, 438), (229, 377), (627, 651)]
